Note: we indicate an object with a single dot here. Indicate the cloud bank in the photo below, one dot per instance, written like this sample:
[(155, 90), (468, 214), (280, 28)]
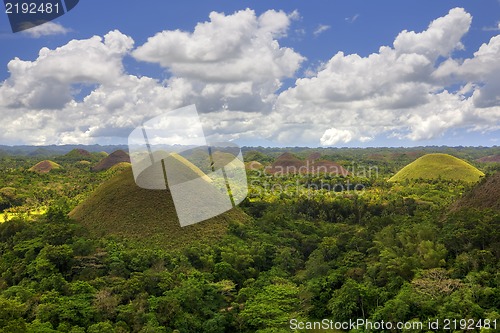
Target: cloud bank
[(233, 66)]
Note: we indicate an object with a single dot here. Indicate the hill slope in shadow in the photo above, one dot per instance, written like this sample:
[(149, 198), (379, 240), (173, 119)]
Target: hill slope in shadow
[(485, 195)]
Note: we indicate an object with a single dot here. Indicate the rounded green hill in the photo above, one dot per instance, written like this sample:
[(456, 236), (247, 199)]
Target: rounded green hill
[(78, 154), (119, 207), (253, 165), (438, 166), (109, 161)]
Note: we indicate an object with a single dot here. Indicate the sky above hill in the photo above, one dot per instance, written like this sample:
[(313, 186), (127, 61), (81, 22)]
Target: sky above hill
[(272, 73)]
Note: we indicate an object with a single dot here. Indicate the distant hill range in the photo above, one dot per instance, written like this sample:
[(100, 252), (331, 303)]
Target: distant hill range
[(266, 155), (53, 150), (485, 195), (393, 156), (438, 166), (288, 163), (45, 167), (111, 160)]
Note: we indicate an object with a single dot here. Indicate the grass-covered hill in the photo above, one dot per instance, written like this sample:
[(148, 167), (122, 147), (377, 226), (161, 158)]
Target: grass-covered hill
[(253, 165), (285, 163), (112, 159), (102, 154), (78, 153), (485, 195), (45, 166), (288, 163), (314, 156), (119, 207), (184, 170), (489, 159), (435, 166)]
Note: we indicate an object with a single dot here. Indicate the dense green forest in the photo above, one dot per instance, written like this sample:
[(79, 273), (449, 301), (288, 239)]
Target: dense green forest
[(312, 247)]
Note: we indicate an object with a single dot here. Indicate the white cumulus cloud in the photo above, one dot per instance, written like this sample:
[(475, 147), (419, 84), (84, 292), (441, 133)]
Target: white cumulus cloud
[(334, 135), (232, 60), (226, 48), (38, 103), (232, 68), (46, 82), (320, 29), (46, 29), (401, 91), (40, 106), (441, 37)]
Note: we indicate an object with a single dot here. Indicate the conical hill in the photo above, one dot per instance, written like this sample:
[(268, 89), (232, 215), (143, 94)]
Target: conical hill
[(438, 166), (119, 207)]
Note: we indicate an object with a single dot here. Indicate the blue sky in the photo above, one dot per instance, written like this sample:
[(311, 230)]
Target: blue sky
[(279, 73)]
